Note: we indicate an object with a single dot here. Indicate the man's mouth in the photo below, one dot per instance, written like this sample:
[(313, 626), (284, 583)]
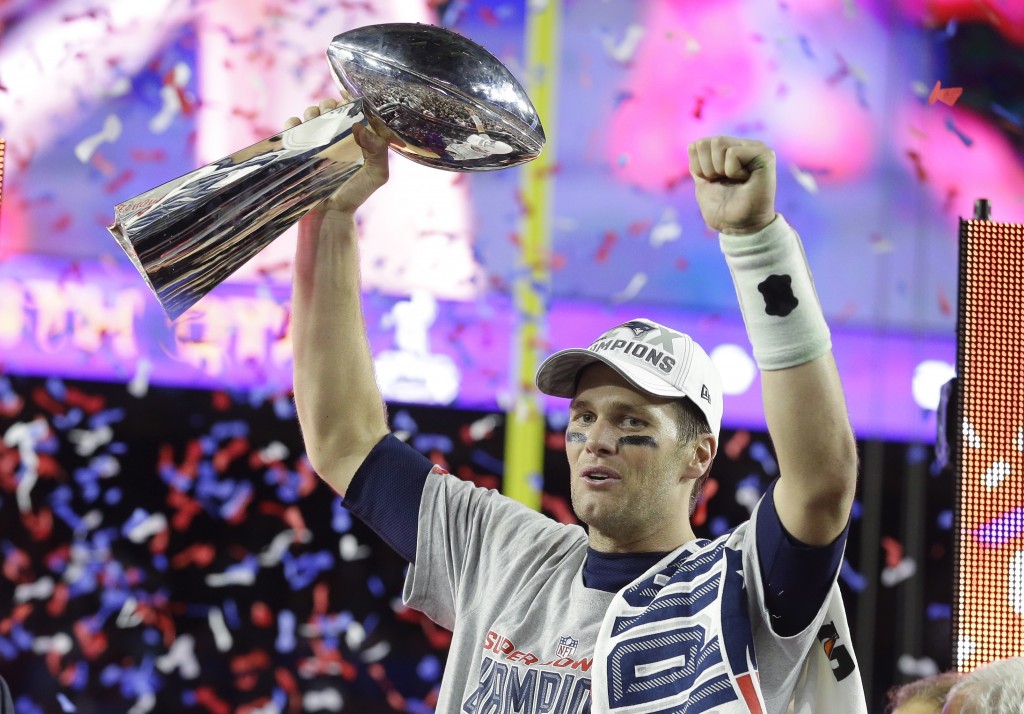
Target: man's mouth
[(597, 475)]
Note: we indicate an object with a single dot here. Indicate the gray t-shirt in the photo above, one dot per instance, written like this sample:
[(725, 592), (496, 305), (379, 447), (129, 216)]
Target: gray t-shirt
[(528, 636)]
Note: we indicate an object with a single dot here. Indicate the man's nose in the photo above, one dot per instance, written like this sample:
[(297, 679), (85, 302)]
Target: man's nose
[(601, 437)]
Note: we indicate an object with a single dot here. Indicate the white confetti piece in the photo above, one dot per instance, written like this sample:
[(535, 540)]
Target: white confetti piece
[(59, 644), (914, 667), (182, 657), (87, 441), (39, 590), (139, 384), (221, 635), (623, 50), (900, 572), (482, 428), (636, 284), (149, 527), (350, 548), (144, 704), (805, 179), (323, 700), (110, 133), (667, 229)]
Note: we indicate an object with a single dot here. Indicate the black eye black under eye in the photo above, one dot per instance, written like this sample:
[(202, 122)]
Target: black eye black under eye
[(637, 441)]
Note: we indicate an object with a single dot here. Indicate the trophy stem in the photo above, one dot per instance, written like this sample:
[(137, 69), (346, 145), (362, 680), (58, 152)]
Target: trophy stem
[(188, 235)]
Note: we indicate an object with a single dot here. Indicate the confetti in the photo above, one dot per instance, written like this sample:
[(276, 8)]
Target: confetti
[(948, 95), (622, 50), (110, 133)]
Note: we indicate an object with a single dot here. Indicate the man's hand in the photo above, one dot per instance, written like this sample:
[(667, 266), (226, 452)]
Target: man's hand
[(371, 176), (735, 183)]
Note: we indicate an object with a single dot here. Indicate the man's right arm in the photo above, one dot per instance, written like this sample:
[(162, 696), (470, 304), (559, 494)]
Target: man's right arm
[(339, 405)]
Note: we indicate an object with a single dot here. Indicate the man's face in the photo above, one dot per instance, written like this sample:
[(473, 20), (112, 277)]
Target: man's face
[(630, 483)]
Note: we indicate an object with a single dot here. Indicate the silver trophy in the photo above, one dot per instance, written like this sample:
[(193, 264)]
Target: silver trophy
[(447, 102)]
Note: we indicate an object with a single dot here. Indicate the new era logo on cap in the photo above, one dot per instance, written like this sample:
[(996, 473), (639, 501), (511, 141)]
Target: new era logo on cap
[(652, 357)]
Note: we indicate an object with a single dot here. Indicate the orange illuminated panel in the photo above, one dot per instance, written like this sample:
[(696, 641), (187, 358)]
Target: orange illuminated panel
[(989, 598)]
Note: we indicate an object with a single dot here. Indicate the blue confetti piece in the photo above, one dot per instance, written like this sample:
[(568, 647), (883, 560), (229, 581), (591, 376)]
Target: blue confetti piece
[(341, 520), (376, 586), (429, 668), (284, 409), (718, 525), (403, 421), (425, 443), (301, 571), (490, 463), (939, 611), (1004, 113), (857, 510), (761, 454), (285, 641), (945, 520), (110, 674), (66, 704), (753, 481), (160, 562), (106, 418), (805, 45), (968, 141), (7, 649), (24, 705), (63, 422), (188, 698), (230, 609), (151, 636), (851, 577), (138, 516), (57, 389), (113, 496), (370, 623), (916, 454), (224, 430), (233, 506), (558, 419)]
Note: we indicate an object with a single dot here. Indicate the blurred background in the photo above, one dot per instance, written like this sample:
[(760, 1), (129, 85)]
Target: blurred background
[(163, 541)]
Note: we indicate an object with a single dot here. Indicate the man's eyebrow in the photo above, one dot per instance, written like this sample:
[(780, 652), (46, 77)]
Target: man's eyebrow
[(618, 406)]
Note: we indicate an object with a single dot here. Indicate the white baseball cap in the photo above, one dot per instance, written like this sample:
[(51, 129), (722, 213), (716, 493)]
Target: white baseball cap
[(653, 358)]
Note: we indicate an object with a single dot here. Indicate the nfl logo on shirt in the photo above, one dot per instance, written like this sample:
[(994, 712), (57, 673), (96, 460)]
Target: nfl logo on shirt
[(566, 647)]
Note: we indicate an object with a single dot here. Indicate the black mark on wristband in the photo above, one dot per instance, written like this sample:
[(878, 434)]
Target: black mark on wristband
[(779, 299)]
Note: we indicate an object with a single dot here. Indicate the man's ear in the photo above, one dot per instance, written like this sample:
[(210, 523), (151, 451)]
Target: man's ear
[(704, 451)]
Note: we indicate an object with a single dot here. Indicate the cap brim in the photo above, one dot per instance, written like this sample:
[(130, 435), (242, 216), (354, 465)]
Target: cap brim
[(557, 375)]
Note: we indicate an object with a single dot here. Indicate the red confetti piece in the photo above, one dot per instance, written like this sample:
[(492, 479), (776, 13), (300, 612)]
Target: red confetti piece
[(120, 181), (93, 644), (893, 551), (185, 507), (198, 554), (39, 526), (700, 514), (232, 450), (947, 95), (944, 305), (261, 615), (915, 157), (558, 508), (206, 697), (58, 601), (736, 445), (607, 243)]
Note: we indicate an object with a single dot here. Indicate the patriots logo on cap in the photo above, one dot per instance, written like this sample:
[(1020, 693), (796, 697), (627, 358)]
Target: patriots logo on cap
[(637, 327)]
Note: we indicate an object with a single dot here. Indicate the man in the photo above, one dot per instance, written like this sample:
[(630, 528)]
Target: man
[(993, 688), (635, 614), (922, 696)]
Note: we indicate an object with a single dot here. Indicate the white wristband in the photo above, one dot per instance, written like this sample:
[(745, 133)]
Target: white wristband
[(780, 307)]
